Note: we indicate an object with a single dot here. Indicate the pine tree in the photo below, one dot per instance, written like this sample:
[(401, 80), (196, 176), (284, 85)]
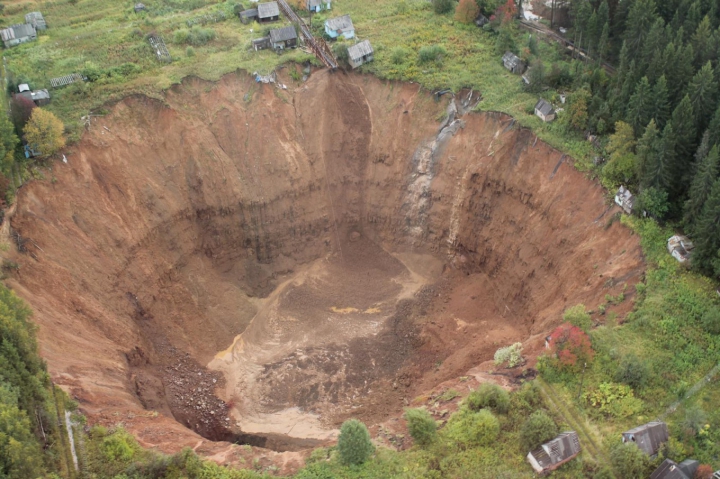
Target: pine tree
[(683, 123), (354, 444), (660, 167), (640, 18), (661, 107), (714, 128), (640, 106), (703, 92), (604, 43), (647, 152), (702, 42), (692, 18), (701, 187), (707, 233), (653, 45)]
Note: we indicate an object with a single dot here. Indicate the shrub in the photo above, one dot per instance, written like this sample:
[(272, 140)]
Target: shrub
[(44, 132), (399, 55), (628, 461), (632, 371), (526, 399), (489, 396), (537, 429), (695, 419), (442, 6), (195, 36), (466, 11), (571, 346), (473, 428), (118, 446), (421, 426), (704, 471), (190, 51), (615, 400), (354, 445), (512, 355), (577, 316), (340, 50), (654, 201), (432, 53), (21, 109), (711, 321)]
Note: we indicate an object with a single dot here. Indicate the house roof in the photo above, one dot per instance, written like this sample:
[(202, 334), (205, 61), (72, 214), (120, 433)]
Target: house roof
[(340, 23), (249, 13), (40, 95), (17, 31), (359, 50), (648, 437), (544, 107), (36, 19), (511, 59), (269, 9), (283, 34), (669, 470), (23, 87), (315, 3), (563, 447)]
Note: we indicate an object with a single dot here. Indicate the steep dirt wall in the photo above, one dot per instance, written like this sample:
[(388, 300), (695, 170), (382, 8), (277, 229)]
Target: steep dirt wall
[(174, 224)]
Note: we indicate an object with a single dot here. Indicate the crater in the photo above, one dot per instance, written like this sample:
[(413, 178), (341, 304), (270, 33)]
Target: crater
[(242, 263)]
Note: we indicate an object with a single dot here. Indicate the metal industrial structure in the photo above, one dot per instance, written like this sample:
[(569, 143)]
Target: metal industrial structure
[(316, 45)]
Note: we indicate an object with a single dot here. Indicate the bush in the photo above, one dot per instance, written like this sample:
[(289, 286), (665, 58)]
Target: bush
[(466, 11), (512, 355), (119, 446), (195, 36), (44, 132), (632, 371), (617, 400), (571, 346), (538, 429), (354, 445), (340, 50), (421, 426), (577, 316), (190, 51), (399, 55), (489, 396), (442, 6), (628, 461), (711, 321), (654, 201), (473, 428), (432, 53)]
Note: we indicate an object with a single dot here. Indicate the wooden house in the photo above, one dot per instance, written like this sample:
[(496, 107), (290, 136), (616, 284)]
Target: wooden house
[(360, 53), (268, 12), (261, 43), (317, 6), (282, 38), (669, 469), (249, 15), (648, 437), (139, 7), (39, 97), (340, 27), (555, 453), (625, 199), (17, 34), (513, 63), (680, 247), (544, 111)]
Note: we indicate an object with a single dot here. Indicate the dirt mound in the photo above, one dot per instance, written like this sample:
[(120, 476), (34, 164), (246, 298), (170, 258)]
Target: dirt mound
[(258, 264)]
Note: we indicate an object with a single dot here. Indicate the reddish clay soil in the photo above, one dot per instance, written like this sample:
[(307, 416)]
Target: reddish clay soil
[(249, 264)]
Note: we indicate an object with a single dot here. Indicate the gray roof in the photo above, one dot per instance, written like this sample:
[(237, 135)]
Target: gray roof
[(269, 9), (648, 437), (314, 3), (18, 31), (36, 19), (359, 50), (511, 59), (669, 469), (249, 13), (283, 34), (40, 95), (544, 107), (340, 23), (563, 447)]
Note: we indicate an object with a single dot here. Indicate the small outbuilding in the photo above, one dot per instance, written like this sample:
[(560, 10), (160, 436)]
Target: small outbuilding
[(249, 15), (481, 20), (23, 87), (282, 38), (261, 43), (139, 7), (555, 453), (625, 200), (319, 5), (648, 437), (37, 20), (39, 97), (17, 34), (31, 152), (268, 12), (340, 27), (360, 53), (680, 247), (669, 469), (513, 63), (544, 111)]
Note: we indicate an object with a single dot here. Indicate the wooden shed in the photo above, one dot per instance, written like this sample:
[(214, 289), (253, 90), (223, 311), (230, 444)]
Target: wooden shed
[(340, 27), (544, 110), (648, 437), (268, 12), (553, 454), (282, 38), (360, 53)]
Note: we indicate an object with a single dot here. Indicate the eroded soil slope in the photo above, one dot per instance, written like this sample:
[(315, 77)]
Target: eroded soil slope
[(243, 258)]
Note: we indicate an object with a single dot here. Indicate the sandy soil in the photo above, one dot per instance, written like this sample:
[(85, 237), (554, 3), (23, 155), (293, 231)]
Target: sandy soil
[(256, 265)]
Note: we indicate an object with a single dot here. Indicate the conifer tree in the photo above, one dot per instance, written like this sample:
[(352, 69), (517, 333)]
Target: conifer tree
[(683, 123), (659, 160), (661, 102), (702, 42), (640, 18), (653, 45), (707, 233), (604, 43), (701, 187), (647, 151), (714, 128), (640, 106), (354, 444), (703, 92)]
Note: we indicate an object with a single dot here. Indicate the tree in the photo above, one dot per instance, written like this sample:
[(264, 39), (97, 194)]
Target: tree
[(536, 76), (711, 321), (473, 428), (622, 141), (578, 316), (537, 429), (640, 107), (640, 19), (20, 455), (442, 6), (702, 42), (467, 11), (571, 346), (489, 396), (702, 92), (632, 371), (654, 201), (628, 461), (707, 232), (8, 142), (421, 426), (714, 128), (21, 110), (44, 132), (507, 12), (505, 41), (354, 444), (577, 116), (340, 50), (647, 150), (701, 186), (661, 102)]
